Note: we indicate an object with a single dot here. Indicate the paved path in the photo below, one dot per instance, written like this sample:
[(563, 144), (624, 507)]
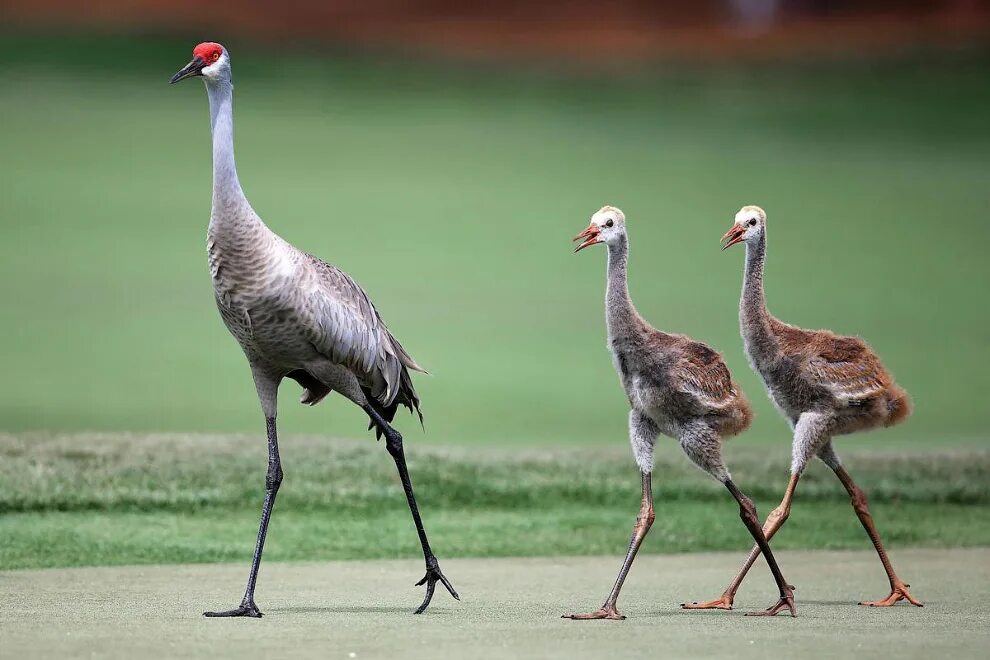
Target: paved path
[(510, 609)]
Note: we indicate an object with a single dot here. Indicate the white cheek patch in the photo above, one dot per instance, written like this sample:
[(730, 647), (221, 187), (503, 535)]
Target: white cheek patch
[(603, 232), (213, 70)]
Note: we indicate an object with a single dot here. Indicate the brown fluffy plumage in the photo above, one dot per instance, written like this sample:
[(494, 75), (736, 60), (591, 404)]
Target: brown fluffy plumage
[(842, 372), (823, 383), (810, 370)]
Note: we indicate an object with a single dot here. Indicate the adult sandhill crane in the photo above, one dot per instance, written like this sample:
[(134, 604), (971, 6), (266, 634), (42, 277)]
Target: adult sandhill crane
[(675, 386), (299, 317), (824, 384)]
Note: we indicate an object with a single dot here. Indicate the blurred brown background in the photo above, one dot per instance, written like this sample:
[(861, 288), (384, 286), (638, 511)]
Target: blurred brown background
[(573, 29)]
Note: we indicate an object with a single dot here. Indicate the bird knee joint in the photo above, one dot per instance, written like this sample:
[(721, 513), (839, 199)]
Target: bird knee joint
[(274, 478), (858, 499), (747, 511), (393, 443)]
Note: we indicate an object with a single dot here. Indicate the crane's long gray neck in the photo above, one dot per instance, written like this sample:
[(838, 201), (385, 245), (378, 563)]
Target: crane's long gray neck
[(620, 313), (754, 318), (226, 188)]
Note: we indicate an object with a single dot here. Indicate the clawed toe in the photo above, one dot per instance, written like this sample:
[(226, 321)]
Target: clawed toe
[(245, 609), (721, 603), (604, 613), (785, 602), (898, 593), (434, 575)]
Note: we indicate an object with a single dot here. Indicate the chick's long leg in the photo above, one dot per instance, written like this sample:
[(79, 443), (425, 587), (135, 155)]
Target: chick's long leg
[(747, 511), (898, 589), (643, 523), (773, 523), (812, 434), (642, 435)]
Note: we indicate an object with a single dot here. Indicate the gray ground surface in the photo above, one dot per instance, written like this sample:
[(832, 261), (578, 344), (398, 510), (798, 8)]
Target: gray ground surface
[(510, 608)]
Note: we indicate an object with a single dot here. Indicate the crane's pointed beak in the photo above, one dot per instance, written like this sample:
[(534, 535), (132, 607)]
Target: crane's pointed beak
[(590, 235), (194, 68), (733, 236)]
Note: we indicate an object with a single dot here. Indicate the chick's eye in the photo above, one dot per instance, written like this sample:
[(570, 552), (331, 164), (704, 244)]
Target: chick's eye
[(752, 223), (609, 223)]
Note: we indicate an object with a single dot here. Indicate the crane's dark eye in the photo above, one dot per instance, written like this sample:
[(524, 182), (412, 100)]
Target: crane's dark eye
[(752, 223), (609, 223)]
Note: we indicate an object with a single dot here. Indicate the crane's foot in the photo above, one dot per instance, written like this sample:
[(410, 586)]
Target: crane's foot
[(247, 608), (723, 602), (433, 575), (606, 612), (898, 592), (786, 602)]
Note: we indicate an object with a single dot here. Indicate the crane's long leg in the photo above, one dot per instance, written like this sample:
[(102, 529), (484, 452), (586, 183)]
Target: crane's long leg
[(898, 589), (393, 443), (643, 523), (273, 480)]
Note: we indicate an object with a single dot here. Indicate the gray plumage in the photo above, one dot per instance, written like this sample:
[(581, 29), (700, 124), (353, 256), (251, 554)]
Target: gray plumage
[(299, 317), (676, 386), (293, 314)]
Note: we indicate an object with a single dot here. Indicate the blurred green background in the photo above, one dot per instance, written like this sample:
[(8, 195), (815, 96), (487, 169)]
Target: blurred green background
[(445, 159), (450, 192)]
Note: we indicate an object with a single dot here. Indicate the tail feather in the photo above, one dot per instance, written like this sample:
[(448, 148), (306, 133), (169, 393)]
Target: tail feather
[(899, 405), (404, 357), (405, 396), (314, 391), (737, 418)]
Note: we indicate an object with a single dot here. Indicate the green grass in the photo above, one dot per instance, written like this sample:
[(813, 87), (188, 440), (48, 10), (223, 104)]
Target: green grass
[(75, 500), (451, 193)]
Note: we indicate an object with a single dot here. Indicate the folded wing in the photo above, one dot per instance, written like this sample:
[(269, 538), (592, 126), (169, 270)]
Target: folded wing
[(847, 368), (345, 327), (702, 373)]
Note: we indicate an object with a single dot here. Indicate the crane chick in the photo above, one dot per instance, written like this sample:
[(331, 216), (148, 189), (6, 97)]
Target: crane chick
[(676, 387), (823, 384)]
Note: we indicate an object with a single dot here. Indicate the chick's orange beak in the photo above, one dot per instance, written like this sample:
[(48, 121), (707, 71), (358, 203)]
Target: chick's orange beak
[(733, 236), (590, 235)]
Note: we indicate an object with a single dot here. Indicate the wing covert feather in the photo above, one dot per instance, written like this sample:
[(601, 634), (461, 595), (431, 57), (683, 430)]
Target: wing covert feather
[(702, 374), (346, 328), (849, 380)]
